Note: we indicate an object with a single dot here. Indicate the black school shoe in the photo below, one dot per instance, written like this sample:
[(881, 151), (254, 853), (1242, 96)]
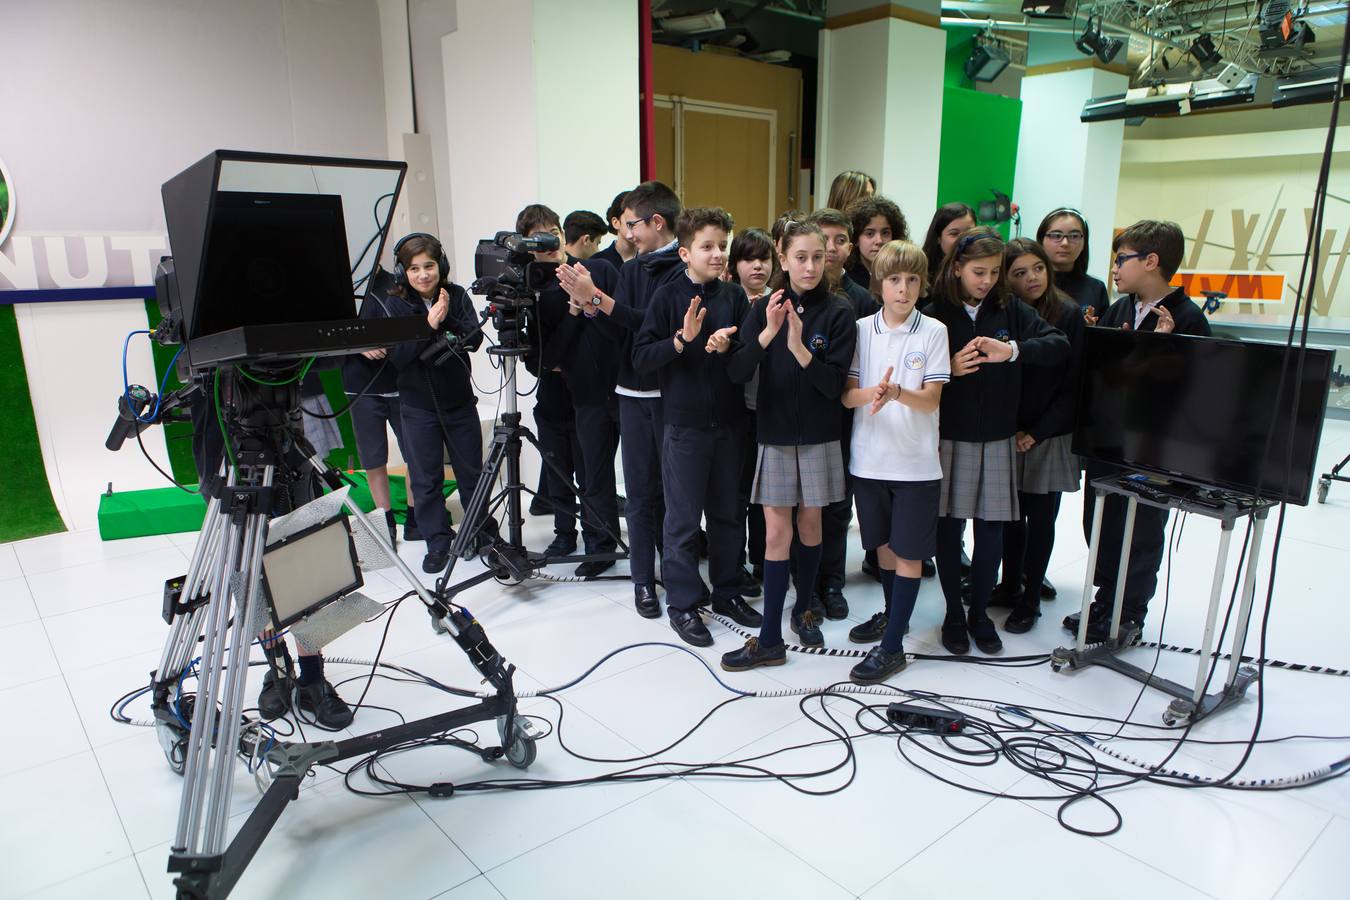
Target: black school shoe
[(836, 607), (644, 599), (869, 632), (877, 666), (274, 700), (321, 701), (1005, 596), (927, 569), (1021, 620), (807, 628), (752, 655), (435, 562), (1048, 591), (594, 567), (738, 611), (870, 567), (563, 544), (410, 531), (955, 638), (984, 634), (750, 584), (688, 624)]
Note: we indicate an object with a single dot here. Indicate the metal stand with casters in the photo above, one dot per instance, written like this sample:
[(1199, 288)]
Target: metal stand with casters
[(213, 613), (1189, 703), (1324, 483)]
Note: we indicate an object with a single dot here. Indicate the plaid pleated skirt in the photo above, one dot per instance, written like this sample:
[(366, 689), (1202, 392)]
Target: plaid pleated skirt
[(979, 480), (809, 475), (1049, 467)]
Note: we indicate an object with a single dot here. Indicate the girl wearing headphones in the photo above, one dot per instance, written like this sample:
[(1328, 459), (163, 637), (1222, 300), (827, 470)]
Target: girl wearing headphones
[(440, 414)]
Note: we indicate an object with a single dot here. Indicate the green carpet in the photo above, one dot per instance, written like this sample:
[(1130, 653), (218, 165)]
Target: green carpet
[(26, 507)]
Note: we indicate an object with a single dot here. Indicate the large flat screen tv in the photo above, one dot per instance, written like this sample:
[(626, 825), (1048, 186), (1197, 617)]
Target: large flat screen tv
[(1199, 410)]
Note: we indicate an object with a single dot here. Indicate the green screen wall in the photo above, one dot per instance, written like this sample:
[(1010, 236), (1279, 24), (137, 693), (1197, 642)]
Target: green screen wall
[(979, 135)]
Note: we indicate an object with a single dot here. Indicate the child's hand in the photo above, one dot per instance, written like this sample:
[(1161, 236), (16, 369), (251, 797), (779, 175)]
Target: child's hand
[(992, 350), (576, 280), (1088, 316), (966, 360), (794, 324), (720, 340), (1024, 441), (1166, 323), (774, 312), (439, 310), (882, 392), (693, 320), (374, 354)]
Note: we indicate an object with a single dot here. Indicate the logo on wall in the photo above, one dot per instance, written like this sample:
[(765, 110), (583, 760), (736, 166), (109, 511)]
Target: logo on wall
[(6, 202)]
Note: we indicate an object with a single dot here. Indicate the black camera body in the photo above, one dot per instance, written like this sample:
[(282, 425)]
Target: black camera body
[(507, 273)]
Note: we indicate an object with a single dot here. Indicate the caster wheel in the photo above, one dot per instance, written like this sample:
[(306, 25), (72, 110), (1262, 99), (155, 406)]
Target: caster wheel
[(1322, 488), (521, 753), (1169, 721), (1055, 667)]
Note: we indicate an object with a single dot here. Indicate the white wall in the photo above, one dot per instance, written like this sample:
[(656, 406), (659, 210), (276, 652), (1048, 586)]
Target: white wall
[(1063, 162), (113, 100), (880, 110)]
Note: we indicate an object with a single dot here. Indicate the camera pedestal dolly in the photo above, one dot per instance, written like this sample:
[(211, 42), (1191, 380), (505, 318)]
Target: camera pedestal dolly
[(218, 604)]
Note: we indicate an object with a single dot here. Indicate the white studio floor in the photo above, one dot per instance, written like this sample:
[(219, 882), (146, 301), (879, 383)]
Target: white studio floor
[(89, 805)]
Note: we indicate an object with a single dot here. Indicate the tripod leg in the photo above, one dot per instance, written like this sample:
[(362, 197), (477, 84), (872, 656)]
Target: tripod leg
[(585, 508), (475, 513)]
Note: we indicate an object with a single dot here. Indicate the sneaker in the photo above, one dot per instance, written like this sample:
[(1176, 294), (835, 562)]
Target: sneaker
[(750, 585), (836, 607), (985, 635), (1021, 620), (322, 702), (738, 611), (877, 666), (563, 545), (870, 631), (807, 628), (955, 638), (753, 655), (274, 700)]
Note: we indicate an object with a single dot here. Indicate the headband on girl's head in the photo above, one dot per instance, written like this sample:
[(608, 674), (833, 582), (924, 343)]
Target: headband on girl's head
[(965, 242), (1066, 210)]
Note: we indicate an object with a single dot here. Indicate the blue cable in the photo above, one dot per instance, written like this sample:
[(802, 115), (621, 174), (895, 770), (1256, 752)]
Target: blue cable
[(126, 379)]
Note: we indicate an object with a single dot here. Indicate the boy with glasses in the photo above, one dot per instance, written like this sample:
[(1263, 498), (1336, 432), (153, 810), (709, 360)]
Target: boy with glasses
[(1146, 256)]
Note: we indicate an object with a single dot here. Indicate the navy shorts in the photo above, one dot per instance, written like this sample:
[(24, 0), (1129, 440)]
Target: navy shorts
[(902, 514), (369, 415)]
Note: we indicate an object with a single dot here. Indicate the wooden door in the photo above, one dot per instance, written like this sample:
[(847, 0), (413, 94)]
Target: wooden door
[(721, 155)]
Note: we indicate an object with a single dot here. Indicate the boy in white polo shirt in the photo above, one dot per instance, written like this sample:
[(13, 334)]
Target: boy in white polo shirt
[(894, 386)]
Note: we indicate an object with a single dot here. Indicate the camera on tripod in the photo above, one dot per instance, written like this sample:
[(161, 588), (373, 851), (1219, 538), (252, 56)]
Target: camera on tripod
[(507, 273)]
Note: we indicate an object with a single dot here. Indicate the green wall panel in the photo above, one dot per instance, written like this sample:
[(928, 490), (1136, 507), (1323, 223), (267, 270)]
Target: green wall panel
[(26, 505)]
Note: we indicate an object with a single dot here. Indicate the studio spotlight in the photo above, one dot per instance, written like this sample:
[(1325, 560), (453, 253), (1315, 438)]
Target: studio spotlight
[(987, 61), (1092, 42), (1205, 53)]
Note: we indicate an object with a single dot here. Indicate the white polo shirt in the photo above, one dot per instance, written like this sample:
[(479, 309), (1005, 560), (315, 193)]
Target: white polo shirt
[(899, 443)]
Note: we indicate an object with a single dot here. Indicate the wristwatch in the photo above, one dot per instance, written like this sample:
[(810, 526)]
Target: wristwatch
[(595, 300), (679, 337)]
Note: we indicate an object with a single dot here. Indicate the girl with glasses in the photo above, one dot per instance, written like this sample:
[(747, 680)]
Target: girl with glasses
[(1064, 235)]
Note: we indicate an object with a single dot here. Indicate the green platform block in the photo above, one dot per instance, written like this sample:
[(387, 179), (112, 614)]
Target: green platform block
[(156, 511)]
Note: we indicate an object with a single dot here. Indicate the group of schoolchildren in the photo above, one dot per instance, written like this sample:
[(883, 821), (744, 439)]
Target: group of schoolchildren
[(763, 388)]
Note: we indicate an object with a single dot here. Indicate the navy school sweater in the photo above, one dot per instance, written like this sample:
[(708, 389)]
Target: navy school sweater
[(1187, 316), (1049, 403), (696, 391), (423, 385), (983, 406), (797, 406), (577, 344), (638, 281)]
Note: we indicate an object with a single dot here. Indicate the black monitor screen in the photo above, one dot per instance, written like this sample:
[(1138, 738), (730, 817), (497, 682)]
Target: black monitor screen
[(1200, 409), (272, 259)]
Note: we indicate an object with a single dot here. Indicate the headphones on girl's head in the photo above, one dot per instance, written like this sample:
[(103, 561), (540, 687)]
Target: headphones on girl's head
[(442, 263)]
